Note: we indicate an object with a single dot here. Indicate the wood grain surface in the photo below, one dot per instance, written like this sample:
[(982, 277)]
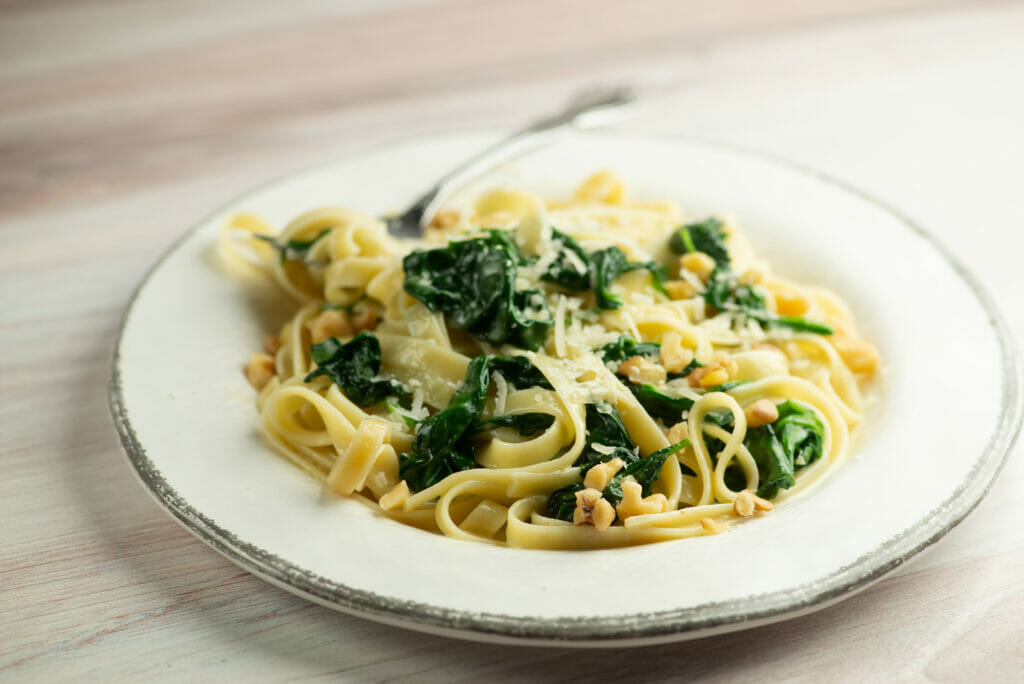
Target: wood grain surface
[(123, 123)]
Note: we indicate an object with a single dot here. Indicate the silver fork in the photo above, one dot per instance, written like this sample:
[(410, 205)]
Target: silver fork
[(585, 109)]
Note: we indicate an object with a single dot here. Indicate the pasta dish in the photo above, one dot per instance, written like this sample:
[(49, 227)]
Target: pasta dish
[(585, 372)]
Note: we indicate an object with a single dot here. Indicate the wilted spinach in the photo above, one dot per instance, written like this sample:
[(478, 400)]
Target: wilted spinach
[(605, 427), (626, 348), (355, 368), (526, 424), (608, 264), (780, 449), (571, 268), (444, 442), (725, 293), (705, 236), (474, 283), (293, 250), (645, 471)]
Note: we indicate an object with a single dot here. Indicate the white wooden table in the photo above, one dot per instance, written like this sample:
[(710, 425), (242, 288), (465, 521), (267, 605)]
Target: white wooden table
[(123, 123)]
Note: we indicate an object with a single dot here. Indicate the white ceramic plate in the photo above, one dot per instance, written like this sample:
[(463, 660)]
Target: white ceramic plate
[(931, 448)]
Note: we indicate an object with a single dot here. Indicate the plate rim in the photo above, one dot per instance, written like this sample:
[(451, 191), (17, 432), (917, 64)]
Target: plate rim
[(620, 630)]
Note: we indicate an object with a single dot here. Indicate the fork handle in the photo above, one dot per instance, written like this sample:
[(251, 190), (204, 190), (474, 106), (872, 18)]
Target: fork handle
[(520, 142)]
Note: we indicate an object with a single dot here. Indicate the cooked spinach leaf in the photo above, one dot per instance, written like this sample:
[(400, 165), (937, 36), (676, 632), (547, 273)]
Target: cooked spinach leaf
[(606, 267), (724, 293), (444, 442), (645, 471), (780, 449), (355, 368), (571, 268), (474, 283), (705, 236), (626, 348), (519, 371), (526, 424), (562, 502), (606, 430), (658, 404), (293, 250)]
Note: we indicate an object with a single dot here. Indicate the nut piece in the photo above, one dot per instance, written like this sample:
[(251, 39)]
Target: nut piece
[(594, 509), (752, 276), (640, 370), (634, 503), (747, 502), (678, 432), (860, 356), (790, 303), (698, 263), (260, 370), (444, 219), (330, 323), (364, 320), (600, 475), (674, 356), (722, 369), (680, 289), (271, 343), (743, 506), (712, 526), (761, 412), (396, 497)]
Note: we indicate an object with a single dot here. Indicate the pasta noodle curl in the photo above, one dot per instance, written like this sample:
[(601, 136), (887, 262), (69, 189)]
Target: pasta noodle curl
[(580, 373)]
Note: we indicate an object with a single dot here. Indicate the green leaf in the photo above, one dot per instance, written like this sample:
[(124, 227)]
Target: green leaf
[(562, 502), (526, 424), (724, 293), (519, 371), (474, 283), (355, 368), (571, 268), (780, 449), (626, 348), (444, 442), (660, 405), (293, 250), (606, 267), (645, 471), (705, 236), (605, 428)]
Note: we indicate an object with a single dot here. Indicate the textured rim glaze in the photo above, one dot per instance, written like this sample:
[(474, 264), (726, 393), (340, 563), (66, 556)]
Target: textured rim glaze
[(631, 629)]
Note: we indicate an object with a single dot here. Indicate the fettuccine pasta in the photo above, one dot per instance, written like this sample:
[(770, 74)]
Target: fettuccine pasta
[(586, 372)]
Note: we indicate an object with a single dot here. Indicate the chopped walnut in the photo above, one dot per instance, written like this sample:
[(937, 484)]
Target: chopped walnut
[(698, 263), (445, 219), (271, 343), (790, 303), (396, 497), (593, 509), (635, 503), (330, 323), (747, 502), (260, 370), (640, 370), (860, 356), (680, 289), (678, 432), (600, 475), (761, 412), (712, 526), (674, 356)]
